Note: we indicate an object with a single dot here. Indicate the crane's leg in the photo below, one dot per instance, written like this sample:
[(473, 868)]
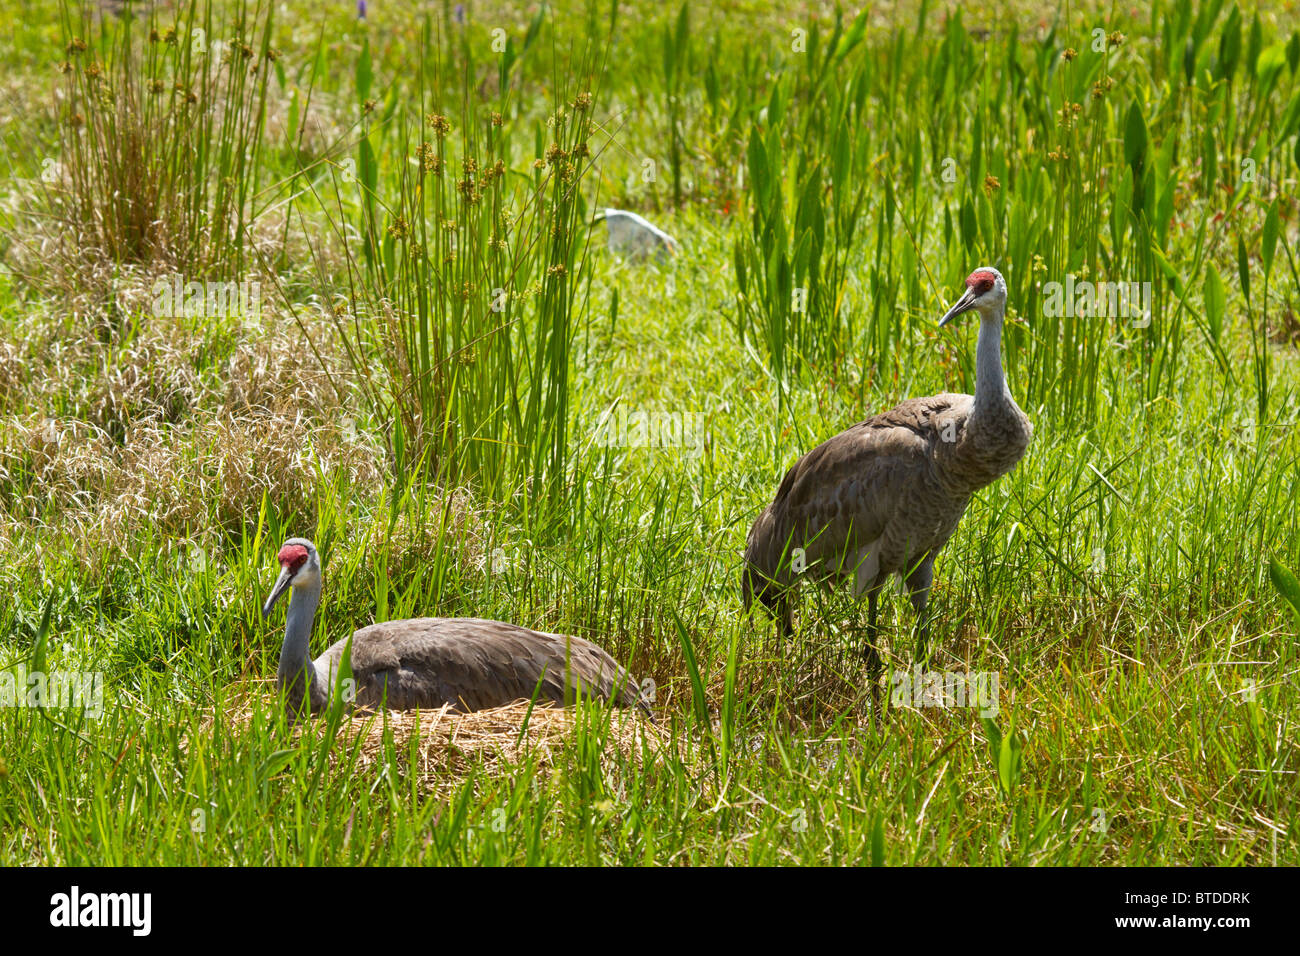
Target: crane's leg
[(869, 581), (871, 651), (785, 616), (918, 586), (774, 594)]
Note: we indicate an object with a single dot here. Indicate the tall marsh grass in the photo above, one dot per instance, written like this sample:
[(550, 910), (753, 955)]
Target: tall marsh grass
[(463, 290), (1048, 155), (162, 116)]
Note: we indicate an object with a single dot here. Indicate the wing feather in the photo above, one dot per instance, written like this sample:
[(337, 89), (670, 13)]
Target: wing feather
[(472, 664), (838, 498)]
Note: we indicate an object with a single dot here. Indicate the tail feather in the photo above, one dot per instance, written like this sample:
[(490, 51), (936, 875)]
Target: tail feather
[(771, 593), (766, 573)]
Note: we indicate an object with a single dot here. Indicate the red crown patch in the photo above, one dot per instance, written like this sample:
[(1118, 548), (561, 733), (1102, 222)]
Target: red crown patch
[(294, 554)]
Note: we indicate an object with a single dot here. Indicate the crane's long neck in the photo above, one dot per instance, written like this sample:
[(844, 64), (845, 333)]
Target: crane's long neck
[(297, 673), (991, 394), (997, 431)]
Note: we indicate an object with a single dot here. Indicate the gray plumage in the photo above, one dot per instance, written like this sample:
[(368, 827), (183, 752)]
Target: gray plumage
[(884, 496), (466, 663)]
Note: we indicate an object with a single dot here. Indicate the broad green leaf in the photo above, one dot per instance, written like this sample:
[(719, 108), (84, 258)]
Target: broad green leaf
[(1243, 268), (365, 74), (670, 59), (1268, 242), (273, 764), (969, 229), (1230, 45), (698, 699), (683, 29), (1254, 44), (994, 735), (1006, 763), (1135, 138), (1271, 60), (1290, 119), (1167, 269), (1284, 580), (854, 34)]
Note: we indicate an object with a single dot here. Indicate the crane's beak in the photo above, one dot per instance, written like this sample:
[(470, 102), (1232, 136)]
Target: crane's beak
[(964, 304), (281, 585)]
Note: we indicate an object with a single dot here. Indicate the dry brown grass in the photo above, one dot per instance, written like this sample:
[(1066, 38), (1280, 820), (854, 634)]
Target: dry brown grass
[(326, 125), (451, 746), (171, 431), (118, 425), (174, 426)]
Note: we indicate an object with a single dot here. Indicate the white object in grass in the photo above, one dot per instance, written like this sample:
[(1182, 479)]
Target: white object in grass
[(634, 238)]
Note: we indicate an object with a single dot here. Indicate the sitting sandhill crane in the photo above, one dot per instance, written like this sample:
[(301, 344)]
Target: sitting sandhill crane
[(635, 237), (466, 663), (884, 496)]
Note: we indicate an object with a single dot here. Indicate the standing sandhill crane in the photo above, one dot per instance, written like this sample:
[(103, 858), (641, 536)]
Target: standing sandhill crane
[(467, 663), (884, 496)]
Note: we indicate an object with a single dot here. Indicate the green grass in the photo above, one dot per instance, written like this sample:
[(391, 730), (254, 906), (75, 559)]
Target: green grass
[(1130, 582)]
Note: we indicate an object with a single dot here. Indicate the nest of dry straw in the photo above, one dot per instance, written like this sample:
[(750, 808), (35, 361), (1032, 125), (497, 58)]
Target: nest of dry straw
[(449, 746)]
